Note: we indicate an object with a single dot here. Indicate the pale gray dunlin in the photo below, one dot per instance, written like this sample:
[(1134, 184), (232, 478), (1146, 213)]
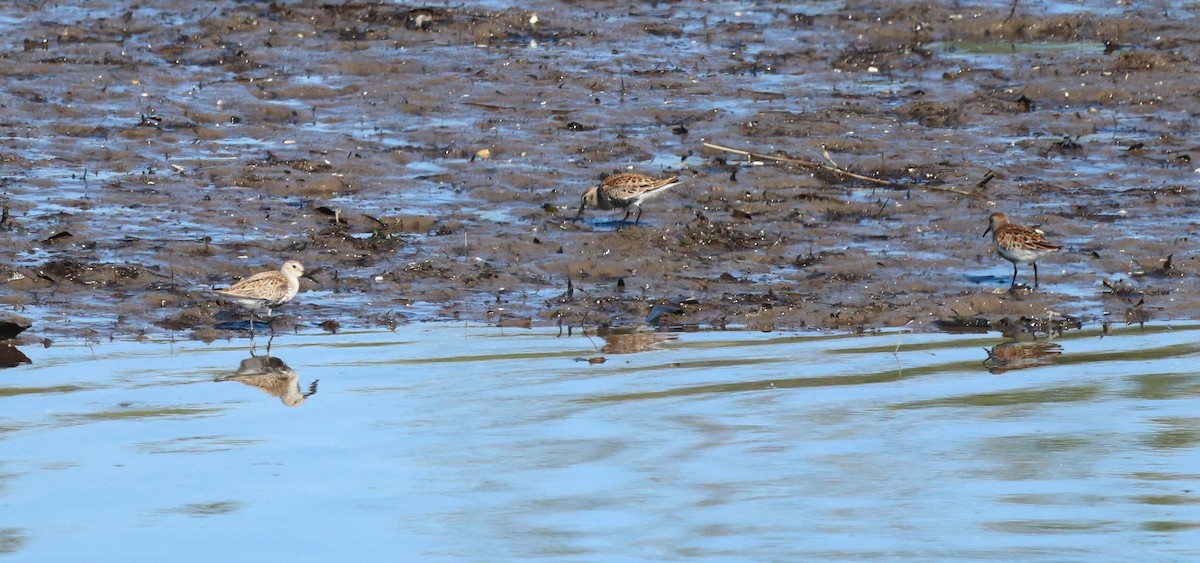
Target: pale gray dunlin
[(266, 290), (627, 190), (1017, 243)]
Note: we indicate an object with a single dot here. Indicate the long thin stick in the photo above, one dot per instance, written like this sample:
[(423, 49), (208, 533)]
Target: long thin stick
[(842, 171)]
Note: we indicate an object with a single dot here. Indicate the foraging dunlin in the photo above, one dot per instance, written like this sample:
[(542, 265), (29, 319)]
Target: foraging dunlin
[(266, 290), (627, 190), (1017, 243)]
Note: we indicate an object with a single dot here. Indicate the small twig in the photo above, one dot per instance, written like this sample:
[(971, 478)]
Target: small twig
[(986, 178), (1011, 11), (842, 171)]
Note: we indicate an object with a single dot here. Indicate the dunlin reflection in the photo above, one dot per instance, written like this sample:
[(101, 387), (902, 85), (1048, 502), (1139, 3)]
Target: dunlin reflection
[(274, 377)]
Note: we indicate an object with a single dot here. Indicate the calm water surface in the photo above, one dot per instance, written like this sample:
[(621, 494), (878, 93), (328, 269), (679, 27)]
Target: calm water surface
[(440, 442)]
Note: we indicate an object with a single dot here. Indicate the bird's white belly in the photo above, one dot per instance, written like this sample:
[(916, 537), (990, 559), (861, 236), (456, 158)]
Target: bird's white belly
[(1024, 255)]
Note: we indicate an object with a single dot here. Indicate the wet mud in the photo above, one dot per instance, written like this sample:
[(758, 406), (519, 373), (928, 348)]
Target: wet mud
[(426, 163)]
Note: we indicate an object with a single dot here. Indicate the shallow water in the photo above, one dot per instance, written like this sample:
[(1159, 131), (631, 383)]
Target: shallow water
[(487, 444)]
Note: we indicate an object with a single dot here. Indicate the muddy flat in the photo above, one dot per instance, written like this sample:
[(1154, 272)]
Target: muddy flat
[(428, 163)]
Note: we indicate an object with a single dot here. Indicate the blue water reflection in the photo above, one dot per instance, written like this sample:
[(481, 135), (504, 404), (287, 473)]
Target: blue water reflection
[(486, 444)]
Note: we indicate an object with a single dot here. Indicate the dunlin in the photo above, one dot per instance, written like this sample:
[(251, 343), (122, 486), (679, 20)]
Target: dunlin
[(266, 290), (627, 191), (1018, 244)]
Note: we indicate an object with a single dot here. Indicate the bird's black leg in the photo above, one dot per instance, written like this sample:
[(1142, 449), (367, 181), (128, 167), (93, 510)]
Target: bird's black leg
[(626, 217), (1014, 280), (251, 332), (639, 216), (1035, 280)]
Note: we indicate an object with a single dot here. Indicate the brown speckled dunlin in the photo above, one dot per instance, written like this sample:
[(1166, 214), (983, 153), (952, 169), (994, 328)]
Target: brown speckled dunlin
[(626, 191), (1018, 244)]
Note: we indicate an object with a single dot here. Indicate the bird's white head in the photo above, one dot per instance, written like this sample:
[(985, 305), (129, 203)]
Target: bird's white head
[(292, 269), (590, 197)]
